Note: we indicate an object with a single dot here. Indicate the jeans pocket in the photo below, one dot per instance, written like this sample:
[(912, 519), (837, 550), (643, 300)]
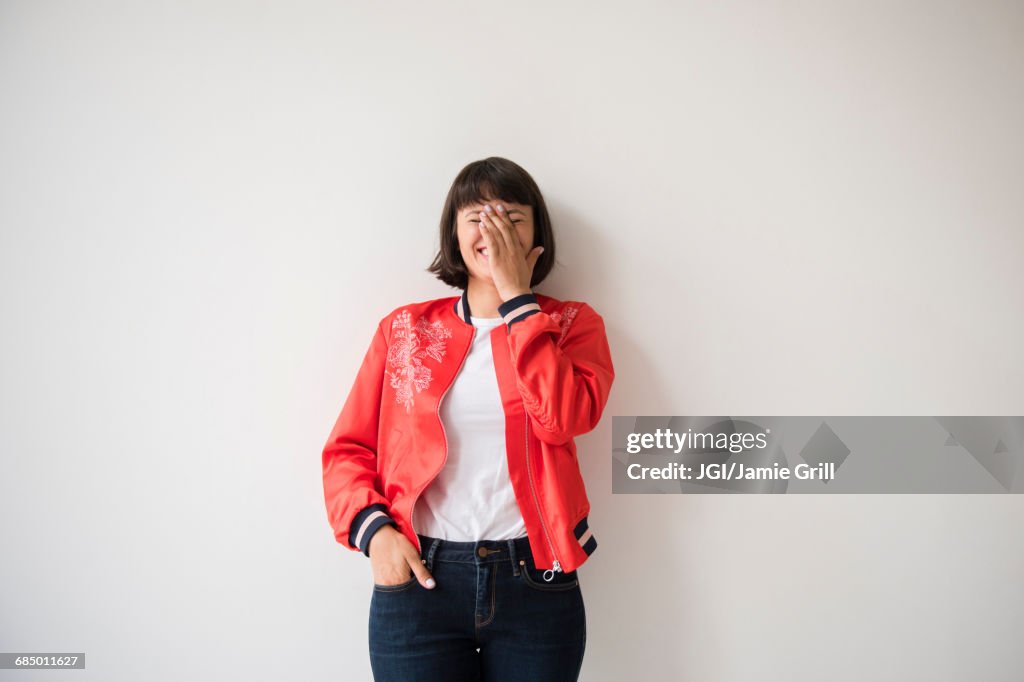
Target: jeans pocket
[(396, 588), (534, 577)]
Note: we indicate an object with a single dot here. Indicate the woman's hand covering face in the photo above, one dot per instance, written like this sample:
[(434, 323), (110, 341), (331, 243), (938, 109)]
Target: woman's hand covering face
[(511, 266)]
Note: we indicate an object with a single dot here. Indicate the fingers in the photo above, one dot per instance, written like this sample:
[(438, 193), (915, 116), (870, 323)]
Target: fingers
[(491, 238), (534, 256), (397, 548), (419, 570), (499, 229), (504, 225), (495, 242), (508, 228)]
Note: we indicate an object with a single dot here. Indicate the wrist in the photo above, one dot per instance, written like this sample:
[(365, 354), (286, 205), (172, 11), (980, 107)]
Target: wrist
[(366, 523), (383, 532), (518, 308), (507, 296)]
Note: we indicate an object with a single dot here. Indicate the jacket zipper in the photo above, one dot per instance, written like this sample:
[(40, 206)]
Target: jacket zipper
[(412, 510), (549, 574)]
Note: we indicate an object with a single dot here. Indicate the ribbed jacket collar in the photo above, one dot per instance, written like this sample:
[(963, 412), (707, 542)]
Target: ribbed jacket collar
[(512, 311), (462, 307)]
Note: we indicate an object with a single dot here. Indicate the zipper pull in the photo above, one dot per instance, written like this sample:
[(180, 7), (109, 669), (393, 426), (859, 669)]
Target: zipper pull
[(557, 568)]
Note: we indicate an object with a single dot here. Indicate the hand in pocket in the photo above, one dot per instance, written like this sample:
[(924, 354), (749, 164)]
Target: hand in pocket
[(395, 560)]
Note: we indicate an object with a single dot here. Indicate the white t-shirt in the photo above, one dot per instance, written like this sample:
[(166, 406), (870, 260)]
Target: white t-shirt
[(472, 497)]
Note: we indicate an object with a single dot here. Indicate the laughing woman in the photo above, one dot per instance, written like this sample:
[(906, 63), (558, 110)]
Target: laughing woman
[(453, 465)]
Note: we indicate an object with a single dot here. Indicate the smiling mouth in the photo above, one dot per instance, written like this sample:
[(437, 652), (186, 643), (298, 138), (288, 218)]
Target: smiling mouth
[(483, 252)]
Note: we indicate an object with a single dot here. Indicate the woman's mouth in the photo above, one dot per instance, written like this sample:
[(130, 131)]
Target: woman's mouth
[(483, 252)]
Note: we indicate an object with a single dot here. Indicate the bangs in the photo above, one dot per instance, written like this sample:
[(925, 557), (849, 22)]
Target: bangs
[(484, 181)]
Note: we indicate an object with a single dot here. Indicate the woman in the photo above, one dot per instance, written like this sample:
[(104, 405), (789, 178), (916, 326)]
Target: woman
[(452, 464)]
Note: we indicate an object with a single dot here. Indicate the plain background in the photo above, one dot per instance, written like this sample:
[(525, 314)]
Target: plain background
[(778, 208)]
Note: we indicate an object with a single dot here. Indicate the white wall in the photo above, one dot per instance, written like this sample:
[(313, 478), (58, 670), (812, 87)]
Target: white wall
[(779, 208)]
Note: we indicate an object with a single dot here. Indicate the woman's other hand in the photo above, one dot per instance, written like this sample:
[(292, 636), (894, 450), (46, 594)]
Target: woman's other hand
[(511, 266), (392, 557)]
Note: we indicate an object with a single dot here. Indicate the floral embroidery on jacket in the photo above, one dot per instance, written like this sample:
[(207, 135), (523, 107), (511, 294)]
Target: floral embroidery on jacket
[(411, 344), (564, 320)]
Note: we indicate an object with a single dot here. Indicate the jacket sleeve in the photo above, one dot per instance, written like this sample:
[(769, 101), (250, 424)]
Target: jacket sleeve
[(356, 509), (564, 385)]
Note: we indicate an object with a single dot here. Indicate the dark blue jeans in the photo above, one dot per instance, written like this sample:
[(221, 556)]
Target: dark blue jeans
[(491, 617)]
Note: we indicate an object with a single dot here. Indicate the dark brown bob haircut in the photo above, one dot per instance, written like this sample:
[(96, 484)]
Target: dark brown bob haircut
[(486, 180)]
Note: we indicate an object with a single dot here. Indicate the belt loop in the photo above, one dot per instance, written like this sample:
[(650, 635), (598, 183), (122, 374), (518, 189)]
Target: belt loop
[(430, 553), (512, 555)]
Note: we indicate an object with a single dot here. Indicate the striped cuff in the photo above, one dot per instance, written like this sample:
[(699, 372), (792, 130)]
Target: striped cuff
[(367, 522), (584, 536), (519, 308)]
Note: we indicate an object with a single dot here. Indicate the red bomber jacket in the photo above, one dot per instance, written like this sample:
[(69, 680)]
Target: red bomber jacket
[(554, 372)]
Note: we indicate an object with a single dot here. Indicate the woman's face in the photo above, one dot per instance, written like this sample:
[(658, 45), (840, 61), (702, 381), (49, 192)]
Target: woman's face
[(471, 241)]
